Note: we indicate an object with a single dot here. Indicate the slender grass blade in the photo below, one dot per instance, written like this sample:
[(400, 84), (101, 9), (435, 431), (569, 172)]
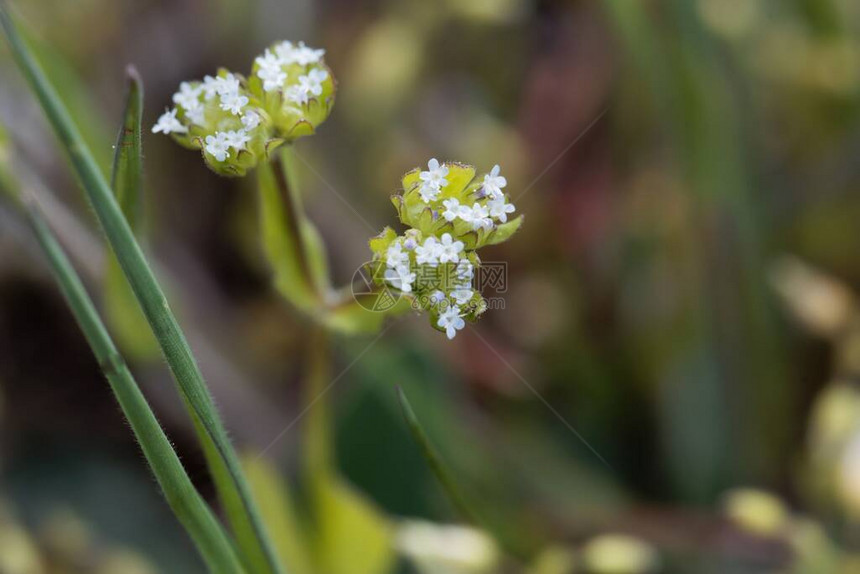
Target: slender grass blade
[(231, 483)]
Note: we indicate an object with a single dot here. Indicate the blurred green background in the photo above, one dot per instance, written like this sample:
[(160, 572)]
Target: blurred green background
[(680, 300)]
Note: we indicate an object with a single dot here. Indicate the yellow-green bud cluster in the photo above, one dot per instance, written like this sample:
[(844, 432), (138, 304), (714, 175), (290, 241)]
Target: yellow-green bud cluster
[(237, 122)]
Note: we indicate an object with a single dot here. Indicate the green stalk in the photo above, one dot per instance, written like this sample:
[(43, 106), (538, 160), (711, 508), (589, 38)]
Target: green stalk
[(318, 429), (449, 485), (231, 483), (434, 461), (189, 507)]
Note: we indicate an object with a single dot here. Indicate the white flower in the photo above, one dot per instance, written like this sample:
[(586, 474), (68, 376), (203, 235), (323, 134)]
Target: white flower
[(251, 120), (428, 253), (237, 139), (480, 217), (298, 94), (285, 51), (433, 180), (493, 183), (462, 295), (429, 192), (465, 271), (271, 71), (400, 278), (410, 243), (209, 87), (316, 77), (188, 96), (465, 213), (227, 84), (437, 297), (217, 146), (451, 321), (196, 115), (448, 249), (499, 209), (395, 256), (452, 209), (233, 102), (304, 55), (168, 123)]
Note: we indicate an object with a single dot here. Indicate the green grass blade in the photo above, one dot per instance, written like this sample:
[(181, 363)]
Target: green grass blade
[(189, 507), (511, 547), (127, 173), (122, 313), (433, 459), (163, 323)]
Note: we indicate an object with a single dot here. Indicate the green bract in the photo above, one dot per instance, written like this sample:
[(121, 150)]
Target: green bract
[(236, 122)]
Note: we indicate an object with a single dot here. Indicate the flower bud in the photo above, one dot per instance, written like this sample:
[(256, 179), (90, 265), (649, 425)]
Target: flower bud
[(757, 511)]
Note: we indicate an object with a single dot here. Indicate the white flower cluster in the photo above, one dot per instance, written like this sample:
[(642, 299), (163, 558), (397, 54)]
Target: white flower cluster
[(237, 122), (450, 214), (273, 65), (405, 255), (191, 99), (477, 215)]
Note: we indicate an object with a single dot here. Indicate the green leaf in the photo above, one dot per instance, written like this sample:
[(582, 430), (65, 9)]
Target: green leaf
[(290, 241), (353, 537), (122, 313), (150, 296), (189, 507), (279, 514), (504, 231)]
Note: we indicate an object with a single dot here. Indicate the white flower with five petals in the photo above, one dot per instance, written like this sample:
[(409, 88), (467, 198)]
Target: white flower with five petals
[(462, 295), (188, 96), (451, 321), (480, 217), (217, 146), (452, 209), (448, 249), (237, 139), (500, 209), (400, 278), (168, 124), (309, 85), (233, 102), (428, 253), (250, 120), (493, 183), (395, 256), (305, 55), (271, 71), (465, 271), (433, 180)]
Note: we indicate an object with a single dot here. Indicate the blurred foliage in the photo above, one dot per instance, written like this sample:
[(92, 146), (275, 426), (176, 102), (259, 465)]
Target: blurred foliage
[(683, 293)]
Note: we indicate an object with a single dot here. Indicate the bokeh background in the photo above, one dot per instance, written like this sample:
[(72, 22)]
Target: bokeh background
[(679, 318)]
